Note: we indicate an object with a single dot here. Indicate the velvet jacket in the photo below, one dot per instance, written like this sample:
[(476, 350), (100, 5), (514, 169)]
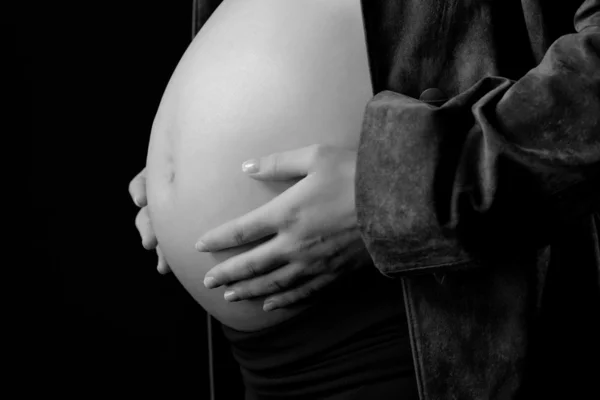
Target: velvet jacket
[(478, 185)]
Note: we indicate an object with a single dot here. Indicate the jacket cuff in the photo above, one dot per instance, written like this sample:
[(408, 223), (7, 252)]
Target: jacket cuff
[(409, 184)]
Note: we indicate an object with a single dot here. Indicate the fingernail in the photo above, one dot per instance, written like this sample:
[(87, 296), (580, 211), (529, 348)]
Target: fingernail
[(230, 295), (210, 282), (200, 246), (269, 306), (250, 166)]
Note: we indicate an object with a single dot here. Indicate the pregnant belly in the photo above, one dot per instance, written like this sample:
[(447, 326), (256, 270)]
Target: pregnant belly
[(262, 76)]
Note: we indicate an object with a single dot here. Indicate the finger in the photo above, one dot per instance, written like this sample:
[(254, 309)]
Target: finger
[(304, 291), (137, 189), (162, 267), (258, 223), (144, 227), (278, 281), (253, 263), (284, 165)]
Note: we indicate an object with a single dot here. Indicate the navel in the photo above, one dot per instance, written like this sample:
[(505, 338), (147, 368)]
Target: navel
[(172, 138), (171, 168)]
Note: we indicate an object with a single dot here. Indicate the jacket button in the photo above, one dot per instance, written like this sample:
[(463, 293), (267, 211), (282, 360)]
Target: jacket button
[(433, 95)]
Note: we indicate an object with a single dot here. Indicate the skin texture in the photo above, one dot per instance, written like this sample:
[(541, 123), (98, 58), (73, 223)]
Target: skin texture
[(260, 78)]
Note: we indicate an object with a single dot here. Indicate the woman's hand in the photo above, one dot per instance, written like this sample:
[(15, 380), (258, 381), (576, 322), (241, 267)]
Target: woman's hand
[(316, 238), (137, 190)]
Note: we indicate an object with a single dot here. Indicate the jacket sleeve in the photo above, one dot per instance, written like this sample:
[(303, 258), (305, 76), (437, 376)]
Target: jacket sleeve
[(493, 171)]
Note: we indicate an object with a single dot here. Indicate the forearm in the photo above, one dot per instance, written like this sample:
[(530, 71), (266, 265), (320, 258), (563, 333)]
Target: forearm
[(495, 168)]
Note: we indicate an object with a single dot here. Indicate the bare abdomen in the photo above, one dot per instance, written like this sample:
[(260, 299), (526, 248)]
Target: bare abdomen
[(262, 76)]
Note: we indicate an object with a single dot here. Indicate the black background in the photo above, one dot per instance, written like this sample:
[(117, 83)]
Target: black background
[(96, 72), (106, 320)]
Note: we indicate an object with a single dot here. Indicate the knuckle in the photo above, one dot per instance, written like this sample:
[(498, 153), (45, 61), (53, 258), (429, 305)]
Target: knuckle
[(140, 219), (135, 183), (289, 217), (144, 227), (244, 293), (249, 291), (274, 164), (137, 186), (239, 236), (241, 292), (250, 268), (131, 186), (310, 244), (149, 242), (133, 191), (276, 285)]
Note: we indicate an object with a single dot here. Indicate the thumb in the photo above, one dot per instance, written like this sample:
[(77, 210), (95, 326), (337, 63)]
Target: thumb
[(281, 166)]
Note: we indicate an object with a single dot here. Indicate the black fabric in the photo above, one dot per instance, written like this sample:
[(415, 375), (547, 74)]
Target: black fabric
[(397, 388), (352, 345)]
